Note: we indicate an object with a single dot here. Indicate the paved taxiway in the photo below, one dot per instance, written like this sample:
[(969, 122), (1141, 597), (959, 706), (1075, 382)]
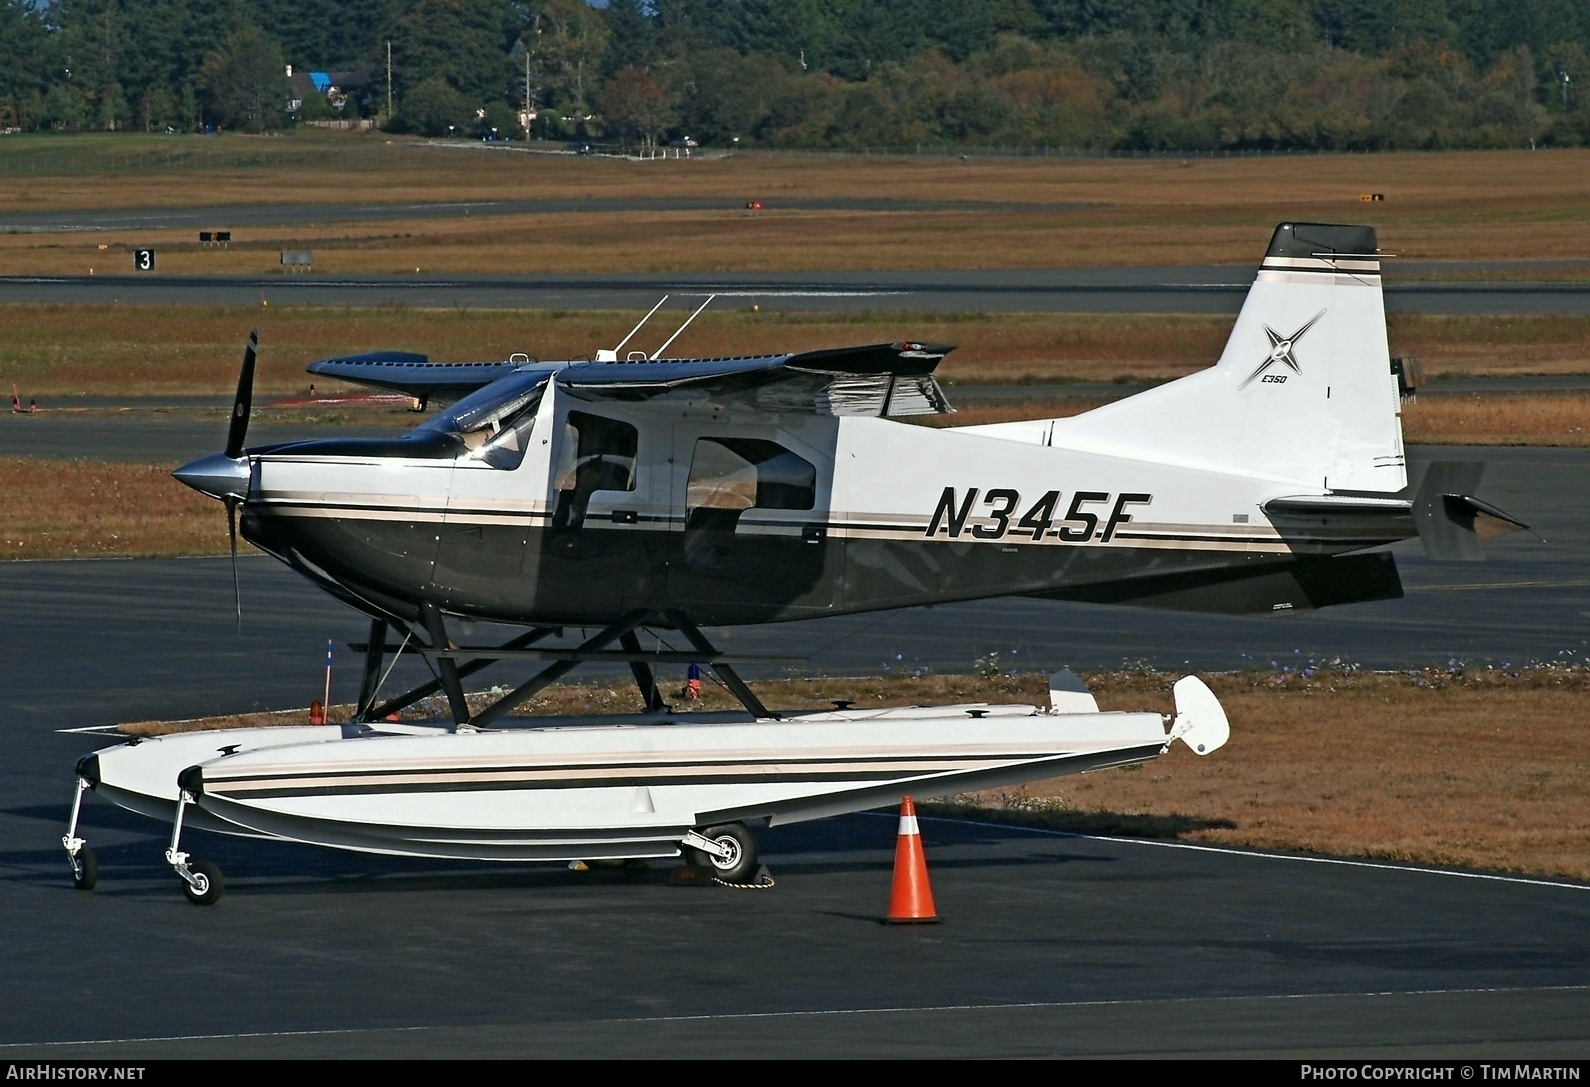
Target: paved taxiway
[(1061, 290), (1052, 945)]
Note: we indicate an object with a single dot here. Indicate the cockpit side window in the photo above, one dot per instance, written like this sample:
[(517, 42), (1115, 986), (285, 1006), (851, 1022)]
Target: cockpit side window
[(594, 454), (506, 448)]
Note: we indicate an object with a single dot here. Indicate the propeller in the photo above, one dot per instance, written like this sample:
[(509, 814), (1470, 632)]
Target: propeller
[(225, 476), (244, 401), (236, 433)]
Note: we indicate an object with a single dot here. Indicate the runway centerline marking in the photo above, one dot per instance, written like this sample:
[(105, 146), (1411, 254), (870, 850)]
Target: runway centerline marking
[(1193, 846)]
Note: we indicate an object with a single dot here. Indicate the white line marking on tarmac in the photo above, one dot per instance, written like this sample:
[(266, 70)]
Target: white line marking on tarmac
[(1254, 853), (814, 1013)]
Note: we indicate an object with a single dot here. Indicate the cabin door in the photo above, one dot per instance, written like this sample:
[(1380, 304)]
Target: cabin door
[(749, 524)]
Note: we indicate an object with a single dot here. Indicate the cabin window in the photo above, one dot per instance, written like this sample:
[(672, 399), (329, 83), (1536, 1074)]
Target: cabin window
[(594, 454), (746, 473)]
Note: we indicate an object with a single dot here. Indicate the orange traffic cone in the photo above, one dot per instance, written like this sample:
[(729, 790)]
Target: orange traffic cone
[(911, 903), (317, 712)]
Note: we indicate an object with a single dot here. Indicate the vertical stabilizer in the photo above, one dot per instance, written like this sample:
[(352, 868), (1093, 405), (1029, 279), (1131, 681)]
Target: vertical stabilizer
[(1303, 392)]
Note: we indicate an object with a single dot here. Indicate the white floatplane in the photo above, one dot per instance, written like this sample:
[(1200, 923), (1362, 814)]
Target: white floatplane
[(651, 495), (608, 788)]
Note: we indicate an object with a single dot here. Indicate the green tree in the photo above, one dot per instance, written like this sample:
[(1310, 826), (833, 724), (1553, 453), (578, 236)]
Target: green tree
[(243, 82), (464, 42), (23, 47), (435, 108), (638, 107), (567, 40)]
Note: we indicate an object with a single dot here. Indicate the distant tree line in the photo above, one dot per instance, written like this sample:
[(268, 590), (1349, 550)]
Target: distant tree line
[(1085, 74)]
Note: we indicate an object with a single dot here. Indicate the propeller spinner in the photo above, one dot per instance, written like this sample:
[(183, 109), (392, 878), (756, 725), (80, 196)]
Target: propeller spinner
[(224, 476)]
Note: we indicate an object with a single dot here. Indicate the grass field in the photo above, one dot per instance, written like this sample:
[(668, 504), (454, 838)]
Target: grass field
[(1478, 768), (1456, 206), (61, 351), (1558, 419), (92, 509)]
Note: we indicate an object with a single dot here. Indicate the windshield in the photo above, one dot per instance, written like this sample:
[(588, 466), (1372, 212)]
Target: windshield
[(495, 422), (488, 407)]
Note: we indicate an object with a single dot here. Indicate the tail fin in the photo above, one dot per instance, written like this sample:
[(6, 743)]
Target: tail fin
[(1304, 391)]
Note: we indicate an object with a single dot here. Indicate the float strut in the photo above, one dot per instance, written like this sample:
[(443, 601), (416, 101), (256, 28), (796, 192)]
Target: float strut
[(432, 617), (731, 678), (374, 654), (174, 855), (72, 842), (642, 673)]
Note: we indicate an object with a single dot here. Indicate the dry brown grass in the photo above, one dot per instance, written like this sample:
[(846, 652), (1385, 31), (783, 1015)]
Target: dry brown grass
[(70, 350), (91, 509), (1483, 768), (1558, 418), (1499, 419), (1462, 206)]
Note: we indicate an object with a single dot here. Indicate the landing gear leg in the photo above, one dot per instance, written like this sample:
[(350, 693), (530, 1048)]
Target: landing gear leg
[(201, 880), (85, 866)]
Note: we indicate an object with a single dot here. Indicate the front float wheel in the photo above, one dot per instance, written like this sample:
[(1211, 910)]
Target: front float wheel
[(210, 884), (85, 869)]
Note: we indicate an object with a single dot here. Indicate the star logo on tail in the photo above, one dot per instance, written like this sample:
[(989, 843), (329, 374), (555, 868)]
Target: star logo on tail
[(1281, 349)]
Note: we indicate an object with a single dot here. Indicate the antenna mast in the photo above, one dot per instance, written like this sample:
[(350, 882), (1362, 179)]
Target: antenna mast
[(684, 326)]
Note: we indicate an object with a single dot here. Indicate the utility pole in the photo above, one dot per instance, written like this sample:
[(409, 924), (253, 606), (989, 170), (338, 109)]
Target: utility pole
[(389, 79), (527, 106)]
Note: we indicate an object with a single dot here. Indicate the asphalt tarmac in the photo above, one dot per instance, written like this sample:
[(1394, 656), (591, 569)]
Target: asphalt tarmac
[(1214, 289), (1051, 945)]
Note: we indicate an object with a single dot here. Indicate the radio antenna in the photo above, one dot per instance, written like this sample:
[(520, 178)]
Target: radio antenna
[(638, 327), (684, 326)]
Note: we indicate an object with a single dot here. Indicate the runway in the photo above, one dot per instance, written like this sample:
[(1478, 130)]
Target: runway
[(1215, 289), (1052, 945)]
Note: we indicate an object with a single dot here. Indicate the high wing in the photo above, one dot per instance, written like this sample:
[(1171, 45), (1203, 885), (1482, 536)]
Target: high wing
[(415, 375), (878, 379), (889, 379)]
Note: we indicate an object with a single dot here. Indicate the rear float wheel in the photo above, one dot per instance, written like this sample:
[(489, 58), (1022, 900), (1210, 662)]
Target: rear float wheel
[(207, 884), (738, 863)]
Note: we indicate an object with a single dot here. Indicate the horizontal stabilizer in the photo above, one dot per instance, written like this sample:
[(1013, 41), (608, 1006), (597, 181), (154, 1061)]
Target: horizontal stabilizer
[(1453, 524)]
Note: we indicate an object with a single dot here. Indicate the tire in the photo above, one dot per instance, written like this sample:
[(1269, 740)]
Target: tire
[(209, 876), (85, 869), (740, 865)]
